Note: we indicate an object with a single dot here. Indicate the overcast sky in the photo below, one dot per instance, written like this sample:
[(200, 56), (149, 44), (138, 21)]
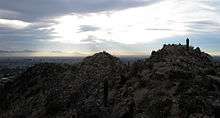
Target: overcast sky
[(81, 27)]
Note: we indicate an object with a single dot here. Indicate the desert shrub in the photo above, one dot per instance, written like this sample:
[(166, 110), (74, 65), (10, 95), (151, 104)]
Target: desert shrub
[(196, 86), (4, 101), (160, 108), (137, 67), (178, 74), (54, 104), (192, 96), (194, 104), (209, 71)]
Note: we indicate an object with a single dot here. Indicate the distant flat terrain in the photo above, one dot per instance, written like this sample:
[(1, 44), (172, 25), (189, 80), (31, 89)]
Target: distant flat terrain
[(12, 62), (216, 58), (12, 66)]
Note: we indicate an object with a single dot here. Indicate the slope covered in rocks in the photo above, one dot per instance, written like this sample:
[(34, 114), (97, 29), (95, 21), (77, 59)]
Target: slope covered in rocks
[(178, 83), (174, 82)]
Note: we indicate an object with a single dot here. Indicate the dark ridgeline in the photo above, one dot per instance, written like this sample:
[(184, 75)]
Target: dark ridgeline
[(177, 81)]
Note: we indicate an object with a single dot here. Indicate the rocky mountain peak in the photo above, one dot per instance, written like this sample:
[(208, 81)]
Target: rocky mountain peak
[(101, 57), (178, 52), (100, 66)]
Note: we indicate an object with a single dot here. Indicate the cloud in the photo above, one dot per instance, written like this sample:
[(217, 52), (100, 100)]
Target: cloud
[(96, 25), (4, 14), (31, 37), (21, 31), (27, 23), (159, 29), (16, 24), (90, 39), (94, 44), (201, 26), (87, 28), (37, 9)]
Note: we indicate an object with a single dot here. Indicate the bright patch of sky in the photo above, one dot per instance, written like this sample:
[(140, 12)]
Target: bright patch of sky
[(140, 25)]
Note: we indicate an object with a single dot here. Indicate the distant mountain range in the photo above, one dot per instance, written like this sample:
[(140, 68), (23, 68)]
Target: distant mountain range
[(27, 53), (23, 51)]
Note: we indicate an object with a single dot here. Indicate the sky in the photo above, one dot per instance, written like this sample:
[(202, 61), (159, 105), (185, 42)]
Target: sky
[(120, 27)]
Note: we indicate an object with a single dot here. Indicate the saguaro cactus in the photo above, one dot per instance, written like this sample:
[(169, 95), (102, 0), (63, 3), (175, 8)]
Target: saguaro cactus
[(131, 109), (105, 93), (75, 114), (187, 43)]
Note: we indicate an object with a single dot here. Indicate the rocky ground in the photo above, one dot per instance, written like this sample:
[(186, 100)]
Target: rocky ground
[(173, 83)]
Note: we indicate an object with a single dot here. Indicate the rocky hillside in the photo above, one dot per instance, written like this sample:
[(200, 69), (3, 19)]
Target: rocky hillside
[(174, 82)]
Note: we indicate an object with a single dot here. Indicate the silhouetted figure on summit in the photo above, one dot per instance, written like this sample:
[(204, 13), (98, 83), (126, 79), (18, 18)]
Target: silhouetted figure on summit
[(187, 44)]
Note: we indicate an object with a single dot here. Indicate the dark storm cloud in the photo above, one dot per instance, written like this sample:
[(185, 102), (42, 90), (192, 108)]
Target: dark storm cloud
[(26, 38), (86, 28), (27, 34), (36, 9)]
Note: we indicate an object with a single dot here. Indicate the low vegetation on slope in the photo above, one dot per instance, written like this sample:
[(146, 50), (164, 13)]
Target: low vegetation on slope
[(173, 82)]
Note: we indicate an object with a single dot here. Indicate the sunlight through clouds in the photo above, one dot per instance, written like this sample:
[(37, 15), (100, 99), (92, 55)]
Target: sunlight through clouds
[(135, 25), (112, 25)]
